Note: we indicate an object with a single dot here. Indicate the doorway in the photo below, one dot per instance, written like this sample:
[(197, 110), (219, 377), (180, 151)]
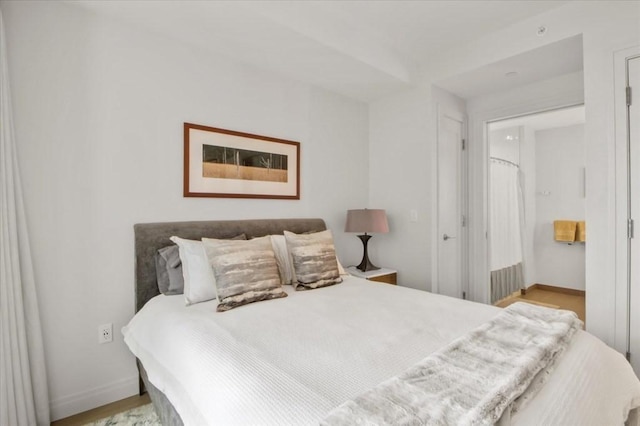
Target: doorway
[(529, 82), (628, 139), (450, 265), (536, 208)]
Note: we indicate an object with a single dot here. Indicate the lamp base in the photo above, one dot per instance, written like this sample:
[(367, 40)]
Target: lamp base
[(366, 264)]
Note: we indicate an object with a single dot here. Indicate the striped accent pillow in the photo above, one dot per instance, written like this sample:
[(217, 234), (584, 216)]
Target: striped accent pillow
[(245, 271), (314, 259)]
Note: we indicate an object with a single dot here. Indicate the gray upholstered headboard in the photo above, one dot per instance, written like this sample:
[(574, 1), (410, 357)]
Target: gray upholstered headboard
[(149, 237)]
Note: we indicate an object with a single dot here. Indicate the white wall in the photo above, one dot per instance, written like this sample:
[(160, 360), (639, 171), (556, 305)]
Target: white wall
[(98, 109), (560, 195), (402, 150), (501, 146), (400, 165)]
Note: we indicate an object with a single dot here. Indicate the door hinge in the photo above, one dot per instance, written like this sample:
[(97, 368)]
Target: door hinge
[(628, 355), (464, 295), (628, 90), (464, 221), (630, 229), (464, 144)]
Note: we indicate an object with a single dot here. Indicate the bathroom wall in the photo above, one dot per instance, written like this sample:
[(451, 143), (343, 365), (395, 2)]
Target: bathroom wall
[(560, 194)]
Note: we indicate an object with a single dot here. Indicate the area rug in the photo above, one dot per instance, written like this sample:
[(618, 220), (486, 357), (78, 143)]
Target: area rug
[(140, 416)]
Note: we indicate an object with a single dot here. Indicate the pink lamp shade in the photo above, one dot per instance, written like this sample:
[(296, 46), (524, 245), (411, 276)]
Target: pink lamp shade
[(367, 220)]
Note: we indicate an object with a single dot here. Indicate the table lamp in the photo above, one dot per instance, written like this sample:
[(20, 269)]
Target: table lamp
[(366, 220)]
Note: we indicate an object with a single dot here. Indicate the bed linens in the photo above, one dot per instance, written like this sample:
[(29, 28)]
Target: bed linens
[(283, 259), (473, 380), (199, 282), (316, 349)]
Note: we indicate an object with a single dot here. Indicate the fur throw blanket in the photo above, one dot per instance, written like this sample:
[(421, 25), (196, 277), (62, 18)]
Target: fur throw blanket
[(492, 370)]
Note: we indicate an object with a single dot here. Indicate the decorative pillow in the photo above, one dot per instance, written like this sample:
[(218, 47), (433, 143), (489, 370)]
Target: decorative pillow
[(314, 259), (285, 262), (169, 270), (245, 271), (199, 281)]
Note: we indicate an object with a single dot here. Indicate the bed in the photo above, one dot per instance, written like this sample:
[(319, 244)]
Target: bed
[(293, 360)]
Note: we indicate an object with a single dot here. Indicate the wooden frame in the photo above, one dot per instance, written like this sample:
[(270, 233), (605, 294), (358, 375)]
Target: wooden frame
[(229, 164)]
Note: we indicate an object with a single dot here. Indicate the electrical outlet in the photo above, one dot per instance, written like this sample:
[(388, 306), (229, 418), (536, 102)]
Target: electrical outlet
[(105, 333)]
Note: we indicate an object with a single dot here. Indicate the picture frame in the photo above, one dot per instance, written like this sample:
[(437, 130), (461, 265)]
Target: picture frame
[(229, 164)]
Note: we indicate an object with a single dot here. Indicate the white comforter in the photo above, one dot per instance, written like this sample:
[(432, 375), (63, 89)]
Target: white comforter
[(292, 360)]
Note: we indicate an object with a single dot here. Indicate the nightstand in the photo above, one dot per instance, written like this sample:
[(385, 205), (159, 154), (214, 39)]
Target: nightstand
[(383, 275)]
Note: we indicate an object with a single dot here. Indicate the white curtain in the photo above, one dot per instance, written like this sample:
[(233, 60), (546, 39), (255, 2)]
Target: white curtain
[(23, 387), (506, 229)]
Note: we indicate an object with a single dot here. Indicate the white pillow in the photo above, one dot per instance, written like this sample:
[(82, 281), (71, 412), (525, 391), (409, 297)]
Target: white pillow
[(285, 262), (199, 282), (283, 259)]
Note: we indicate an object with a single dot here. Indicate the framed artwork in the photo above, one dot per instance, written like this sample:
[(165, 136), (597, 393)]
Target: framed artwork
[(230, 164)]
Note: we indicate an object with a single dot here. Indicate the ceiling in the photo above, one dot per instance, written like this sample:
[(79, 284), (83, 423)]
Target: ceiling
[(361, 49), (551, 60)]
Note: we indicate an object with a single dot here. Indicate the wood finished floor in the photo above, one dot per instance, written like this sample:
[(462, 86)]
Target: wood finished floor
[(552, 299), (104, 411)]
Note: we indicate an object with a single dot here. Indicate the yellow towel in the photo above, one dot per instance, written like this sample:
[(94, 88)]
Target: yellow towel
[(581, 231), (565, 230)]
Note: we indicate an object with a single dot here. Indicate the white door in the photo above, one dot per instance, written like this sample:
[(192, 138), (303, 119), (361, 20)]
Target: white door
[(450, 187), (633, 75)]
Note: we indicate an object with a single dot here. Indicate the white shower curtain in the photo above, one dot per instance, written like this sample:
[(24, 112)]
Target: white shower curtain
[(506, 229), (23, 387)]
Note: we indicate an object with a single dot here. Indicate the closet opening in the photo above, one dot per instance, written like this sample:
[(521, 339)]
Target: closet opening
[(536, 209)]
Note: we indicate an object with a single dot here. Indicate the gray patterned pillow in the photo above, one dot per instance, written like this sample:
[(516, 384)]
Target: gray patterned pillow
[(314, 259), (245, 271), (169, 270)]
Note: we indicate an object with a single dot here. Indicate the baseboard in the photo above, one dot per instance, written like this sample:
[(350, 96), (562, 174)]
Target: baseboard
[(92, 398), (563, 290)]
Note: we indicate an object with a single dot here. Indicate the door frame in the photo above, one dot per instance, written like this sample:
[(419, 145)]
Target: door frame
[(487, 137), (443, 112), (478, 181), (622, 329)]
